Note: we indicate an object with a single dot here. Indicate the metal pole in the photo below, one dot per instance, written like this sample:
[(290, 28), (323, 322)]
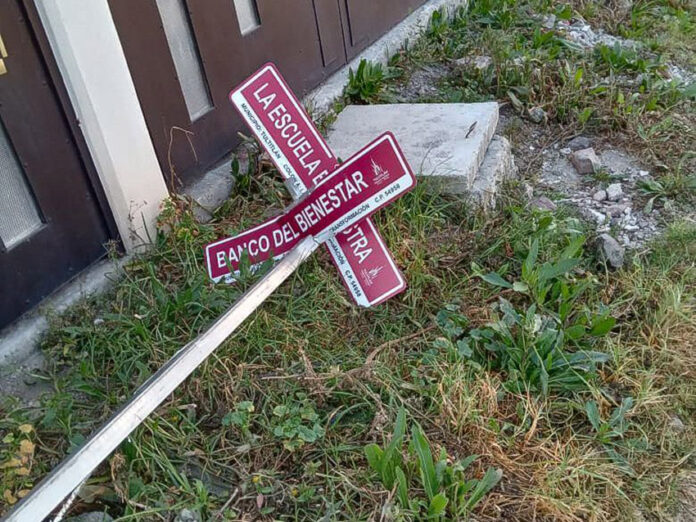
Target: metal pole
[(70, 473)]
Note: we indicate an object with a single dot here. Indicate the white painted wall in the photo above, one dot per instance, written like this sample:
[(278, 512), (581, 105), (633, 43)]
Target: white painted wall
[(90, 57)]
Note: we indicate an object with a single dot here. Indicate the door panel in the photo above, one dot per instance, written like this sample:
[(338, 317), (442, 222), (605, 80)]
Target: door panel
[(287, 34), (217, 44), (364, 21), (62, 230), (328, 15)]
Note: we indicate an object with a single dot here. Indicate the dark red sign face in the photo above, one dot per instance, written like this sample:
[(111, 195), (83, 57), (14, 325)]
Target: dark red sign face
[(373, 178), (303, 158)]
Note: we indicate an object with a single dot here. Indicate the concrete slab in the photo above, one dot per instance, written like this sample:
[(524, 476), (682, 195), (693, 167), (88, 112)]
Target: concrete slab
[(498, 165), (320, 99), (445, 142)]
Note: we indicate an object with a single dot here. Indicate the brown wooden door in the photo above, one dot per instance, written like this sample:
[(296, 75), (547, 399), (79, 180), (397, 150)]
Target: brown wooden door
[(186, 55), (220, 56), (364, 21), (50, 223)]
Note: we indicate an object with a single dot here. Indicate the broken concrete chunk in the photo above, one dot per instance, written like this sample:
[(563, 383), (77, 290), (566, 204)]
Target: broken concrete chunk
[(676, 424), (599, 217), (549, 21), (610, 251), (600, 195), (617, 210), (585, 161), (542, 203), (188, 515), (537, 115), (478, 63), (497, 166), (579, 143), (614, 192), (444, 142), (91, 516)]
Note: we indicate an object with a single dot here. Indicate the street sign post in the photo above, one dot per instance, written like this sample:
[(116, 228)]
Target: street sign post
[(368, 181), (340, 199), (285, 130)]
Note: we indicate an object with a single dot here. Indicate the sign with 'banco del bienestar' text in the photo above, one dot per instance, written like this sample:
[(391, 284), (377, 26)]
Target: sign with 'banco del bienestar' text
[(303, 158), (368, 181)]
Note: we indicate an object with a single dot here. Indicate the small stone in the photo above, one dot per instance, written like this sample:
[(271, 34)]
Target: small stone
[(479, 63), (565, 151), (610, 251), (615, 210), (542, 203), (537, 114), (598, 216), (98, 321), (92, 516), (643, 173), (187, 515), (579, 143), (549, 21), (614, 192), (528, 190), (676, 424), (600, 195), (585, 161)]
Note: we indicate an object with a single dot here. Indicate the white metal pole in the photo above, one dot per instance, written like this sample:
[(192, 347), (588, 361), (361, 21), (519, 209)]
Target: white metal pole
[(70, 473)]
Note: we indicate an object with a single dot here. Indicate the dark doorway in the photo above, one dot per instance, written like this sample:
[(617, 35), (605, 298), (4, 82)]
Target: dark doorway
[(51, 226), (186, 55)]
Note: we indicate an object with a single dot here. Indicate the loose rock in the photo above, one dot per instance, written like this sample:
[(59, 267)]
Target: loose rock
[(479, 63), (599, 217), (92, 516), (617, 210), (542, 203), (187, 515), (579, 143), (585, 161), (549, 21), (610, 251), (600, 195), (676, 424), (614, 192), (537, 115)]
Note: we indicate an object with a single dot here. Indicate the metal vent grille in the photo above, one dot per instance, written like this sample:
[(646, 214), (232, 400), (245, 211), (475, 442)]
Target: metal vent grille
[(247, 14), (19, 216), (187, 60)]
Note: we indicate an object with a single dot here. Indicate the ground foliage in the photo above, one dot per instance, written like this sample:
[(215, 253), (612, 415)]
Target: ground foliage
[(515, 379)]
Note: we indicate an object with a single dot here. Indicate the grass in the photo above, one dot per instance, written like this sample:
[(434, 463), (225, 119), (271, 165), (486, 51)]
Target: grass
[(515, 379)]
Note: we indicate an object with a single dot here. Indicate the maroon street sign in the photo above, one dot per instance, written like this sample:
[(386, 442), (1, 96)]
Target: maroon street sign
[(371, 179), (303, 158)]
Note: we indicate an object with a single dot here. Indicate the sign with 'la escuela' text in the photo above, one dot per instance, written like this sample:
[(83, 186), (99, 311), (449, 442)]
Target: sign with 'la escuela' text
[(285, 130), (368, 181)]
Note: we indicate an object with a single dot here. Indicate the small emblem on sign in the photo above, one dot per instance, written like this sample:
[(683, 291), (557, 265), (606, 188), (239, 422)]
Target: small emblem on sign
[(380, 173), (370, 275)]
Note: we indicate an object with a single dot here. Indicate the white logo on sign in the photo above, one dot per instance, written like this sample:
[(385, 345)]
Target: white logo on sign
[(380, 174), (370, 275)]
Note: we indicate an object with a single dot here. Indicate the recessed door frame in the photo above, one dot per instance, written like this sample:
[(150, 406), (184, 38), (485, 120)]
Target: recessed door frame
[(59, 88)]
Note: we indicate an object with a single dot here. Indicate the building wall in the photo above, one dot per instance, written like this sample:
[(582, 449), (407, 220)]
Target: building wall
[(86, 46)]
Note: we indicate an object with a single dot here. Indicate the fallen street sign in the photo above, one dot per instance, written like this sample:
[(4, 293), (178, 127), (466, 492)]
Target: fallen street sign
[(278, 120), (371, 179)]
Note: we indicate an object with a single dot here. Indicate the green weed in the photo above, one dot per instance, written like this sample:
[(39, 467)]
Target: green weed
[(449, 495), (366, 83)]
